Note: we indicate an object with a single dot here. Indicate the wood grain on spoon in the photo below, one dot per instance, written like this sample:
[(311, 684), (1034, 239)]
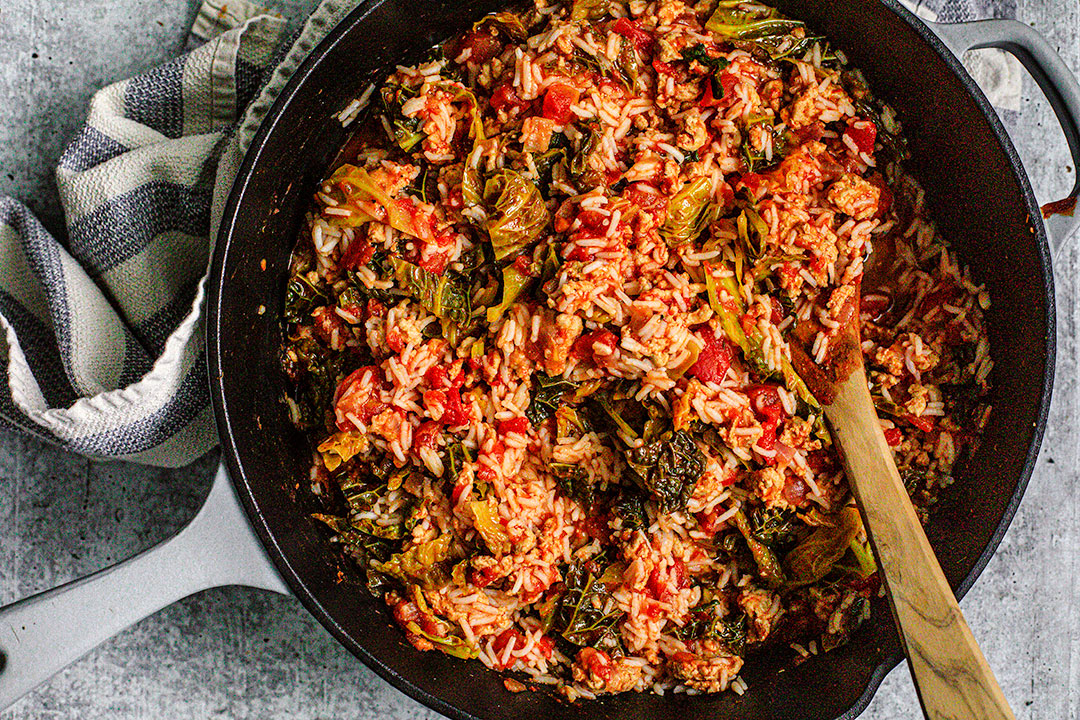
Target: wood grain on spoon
[(951, 675)]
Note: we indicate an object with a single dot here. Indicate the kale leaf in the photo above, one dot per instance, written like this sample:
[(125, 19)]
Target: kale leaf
[(668, 467), (582, 615), (301, 297), (547, 393)]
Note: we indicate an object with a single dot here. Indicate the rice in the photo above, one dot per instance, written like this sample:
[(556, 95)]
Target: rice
[(538, 336)]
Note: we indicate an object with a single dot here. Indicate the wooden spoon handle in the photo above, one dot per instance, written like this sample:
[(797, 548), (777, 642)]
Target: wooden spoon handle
[(951, 675)]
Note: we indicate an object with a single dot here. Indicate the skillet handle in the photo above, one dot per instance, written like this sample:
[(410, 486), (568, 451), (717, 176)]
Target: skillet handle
[(42, 634), (1054, 78)]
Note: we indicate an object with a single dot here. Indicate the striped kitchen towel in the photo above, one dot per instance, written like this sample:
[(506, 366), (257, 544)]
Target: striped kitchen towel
[(103, 351)]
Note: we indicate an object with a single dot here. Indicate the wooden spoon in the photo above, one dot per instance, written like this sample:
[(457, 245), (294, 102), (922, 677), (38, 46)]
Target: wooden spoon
[(951, 675)]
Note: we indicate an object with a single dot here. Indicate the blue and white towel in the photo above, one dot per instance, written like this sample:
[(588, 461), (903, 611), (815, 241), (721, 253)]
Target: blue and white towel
[(103, 348)]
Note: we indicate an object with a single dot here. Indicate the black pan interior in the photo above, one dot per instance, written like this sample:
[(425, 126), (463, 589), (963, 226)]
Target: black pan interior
[(978, 193)]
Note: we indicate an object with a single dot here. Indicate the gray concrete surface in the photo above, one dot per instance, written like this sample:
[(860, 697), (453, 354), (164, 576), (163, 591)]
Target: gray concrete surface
[(238, 653)]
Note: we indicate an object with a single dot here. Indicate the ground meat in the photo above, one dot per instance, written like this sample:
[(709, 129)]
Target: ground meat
[(768, 484), (693, 135), (855, 197), (708, 674), (600, 673), (763, 609)]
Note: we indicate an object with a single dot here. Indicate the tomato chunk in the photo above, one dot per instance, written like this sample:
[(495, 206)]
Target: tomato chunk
[(557, 103), (519, 425), (863, 134), (504, 97), (357, 397), (598, 345), (893, 436), (714, 359), (595, 662), (925, 424), (630, 30)]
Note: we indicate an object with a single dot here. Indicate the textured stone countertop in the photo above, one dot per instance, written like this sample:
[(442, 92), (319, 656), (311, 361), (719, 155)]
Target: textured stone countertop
[(242, 653)]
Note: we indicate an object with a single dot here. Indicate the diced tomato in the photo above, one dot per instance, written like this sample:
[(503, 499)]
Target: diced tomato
[(926, 424), (483, 44), (630, 30), (436, 377), (595, 223), (359, 253), (546, 646), (727, 87), (586, 347), (455, 413), (714, 359), (427, 436), (662, 67), (708, 522), (893, 436), (765, 401), (501, 641), (652, 203), (350, 399), (795, 490), (504, 97), (595, 662), (596, 527), (658, 582), (458, 491), (484, 577), (863, 133), (557, 102), (777, 315), (524, 265), (519, 425)]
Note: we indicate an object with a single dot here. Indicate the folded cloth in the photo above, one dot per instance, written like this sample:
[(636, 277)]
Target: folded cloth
[(104, 351)]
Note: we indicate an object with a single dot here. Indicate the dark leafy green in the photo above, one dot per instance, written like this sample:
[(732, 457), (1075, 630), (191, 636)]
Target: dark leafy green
[(668, 468), (405, 131), (506, 23), (422, 563), (775, 526), (301, 297), (630, 508), (316, 371), (768, 566), (706, 623), (574, 482), (581, 615), (700, 53), (589, 9), (446, 295), (547, 393), (759, 26)]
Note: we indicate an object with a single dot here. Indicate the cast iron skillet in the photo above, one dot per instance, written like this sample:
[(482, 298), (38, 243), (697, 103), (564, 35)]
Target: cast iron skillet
[(975, 187)]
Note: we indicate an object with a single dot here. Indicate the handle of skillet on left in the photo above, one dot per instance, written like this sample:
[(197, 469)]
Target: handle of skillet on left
[(42, 634), (1054, 78)]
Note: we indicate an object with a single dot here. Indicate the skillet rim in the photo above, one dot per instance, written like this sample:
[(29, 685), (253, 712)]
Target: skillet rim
[(294, 577)]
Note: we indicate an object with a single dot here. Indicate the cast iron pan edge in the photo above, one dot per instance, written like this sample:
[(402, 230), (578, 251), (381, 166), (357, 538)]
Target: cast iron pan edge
[(295, 577)]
